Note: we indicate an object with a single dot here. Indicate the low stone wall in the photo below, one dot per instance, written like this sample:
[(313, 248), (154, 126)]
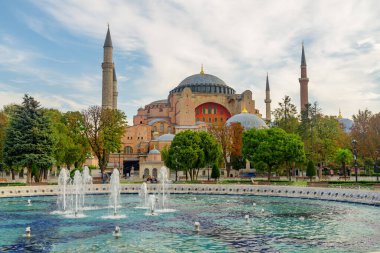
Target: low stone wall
[(344, 195)]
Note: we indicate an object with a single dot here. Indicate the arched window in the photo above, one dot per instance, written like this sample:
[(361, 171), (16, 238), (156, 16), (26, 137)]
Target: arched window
[(154, 172), (146, 173), (154, 129), (170, 129), (161, 127), (128, 150)]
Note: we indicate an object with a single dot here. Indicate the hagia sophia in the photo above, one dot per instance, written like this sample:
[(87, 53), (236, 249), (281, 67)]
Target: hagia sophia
[(196, 102)]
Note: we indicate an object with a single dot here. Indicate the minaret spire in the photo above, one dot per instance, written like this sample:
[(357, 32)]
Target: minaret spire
[(109, 75), (267, 101), (304, 81)]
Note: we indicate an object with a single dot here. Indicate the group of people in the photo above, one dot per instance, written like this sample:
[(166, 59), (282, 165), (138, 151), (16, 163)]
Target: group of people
[(151, 179)]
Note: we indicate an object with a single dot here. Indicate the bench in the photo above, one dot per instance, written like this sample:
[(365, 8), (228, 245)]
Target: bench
[(3, 180)]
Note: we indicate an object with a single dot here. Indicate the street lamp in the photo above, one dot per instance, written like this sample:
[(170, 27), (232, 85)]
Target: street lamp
[(376, 166), (355, 151)]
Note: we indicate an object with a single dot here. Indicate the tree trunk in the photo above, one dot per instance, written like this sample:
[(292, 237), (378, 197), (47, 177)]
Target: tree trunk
[(29, 176), (46, 174), (269, 173), (344, 171), (13, 174), (186, 175)]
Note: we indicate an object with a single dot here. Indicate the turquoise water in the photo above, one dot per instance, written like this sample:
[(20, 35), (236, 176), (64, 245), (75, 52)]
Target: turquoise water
[(286, 225)]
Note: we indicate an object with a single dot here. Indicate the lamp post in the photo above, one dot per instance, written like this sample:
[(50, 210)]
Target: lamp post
[(376, 167), (355, 151)]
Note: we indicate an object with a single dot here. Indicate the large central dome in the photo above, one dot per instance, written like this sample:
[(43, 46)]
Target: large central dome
[(204, 83)]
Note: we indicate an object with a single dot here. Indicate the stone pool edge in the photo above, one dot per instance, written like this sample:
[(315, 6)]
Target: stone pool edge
[(332, 194)]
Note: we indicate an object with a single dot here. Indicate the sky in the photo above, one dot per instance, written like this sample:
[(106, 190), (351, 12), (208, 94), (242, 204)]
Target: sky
[(53, 50)]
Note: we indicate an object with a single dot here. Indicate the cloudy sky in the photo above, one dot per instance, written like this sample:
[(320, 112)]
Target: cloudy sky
[(53, 50)]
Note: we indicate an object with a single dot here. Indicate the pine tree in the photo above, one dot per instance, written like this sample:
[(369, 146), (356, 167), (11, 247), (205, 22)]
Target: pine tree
[(215, 173), (28, 141), (310, 170)]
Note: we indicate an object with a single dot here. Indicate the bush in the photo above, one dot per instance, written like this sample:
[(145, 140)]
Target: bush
[(310, 170), (215, 173)]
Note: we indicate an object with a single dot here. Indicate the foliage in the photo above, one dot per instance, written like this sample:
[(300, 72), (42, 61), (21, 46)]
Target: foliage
[(190, 151), (343, 157), (29, 141), (310, 170), (236, 133), (215, 173), (294, 151), (103, 129), (222, 133), (265, 145), (285, 116)]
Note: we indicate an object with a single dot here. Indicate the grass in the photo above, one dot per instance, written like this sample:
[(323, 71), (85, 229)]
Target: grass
[(12, 184)]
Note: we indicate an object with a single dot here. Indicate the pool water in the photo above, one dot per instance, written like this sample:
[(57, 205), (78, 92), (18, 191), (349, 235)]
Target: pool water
[(276, 225)]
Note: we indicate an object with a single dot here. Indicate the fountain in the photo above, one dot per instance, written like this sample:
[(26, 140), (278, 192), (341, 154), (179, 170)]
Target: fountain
[(163, 202), (29, 202), (77, 194), (117, 232), (143, 194), (87, 182), (151, 205), (197, 226), (114, 201), (63, 182), (246, 217), (28, 232)]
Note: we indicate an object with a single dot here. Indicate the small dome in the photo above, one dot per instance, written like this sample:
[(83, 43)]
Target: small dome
[(346, 123), (154, 152), (248, 121), (166, 137)]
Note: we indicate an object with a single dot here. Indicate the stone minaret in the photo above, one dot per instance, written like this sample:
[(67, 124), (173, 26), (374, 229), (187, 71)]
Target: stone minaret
[(267, 101), (109, 76), (304, 80), (115, 93)]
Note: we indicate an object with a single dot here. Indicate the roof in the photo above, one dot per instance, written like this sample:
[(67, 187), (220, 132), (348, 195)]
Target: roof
[(303, 58), (108, 41), (154, 152), (248, 121), (204, 83)]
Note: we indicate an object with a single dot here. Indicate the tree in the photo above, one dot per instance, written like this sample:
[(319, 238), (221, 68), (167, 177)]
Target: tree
[(222, 134), (343, 157), (215, 173), (310, 170), (265, 145), (210, 148), (103, 129), (29, 141), (236, 133), (3, 127), (310, 117), (285, 116), (294, 152)]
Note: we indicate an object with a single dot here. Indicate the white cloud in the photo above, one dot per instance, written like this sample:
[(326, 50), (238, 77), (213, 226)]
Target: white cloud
[(240, 41)]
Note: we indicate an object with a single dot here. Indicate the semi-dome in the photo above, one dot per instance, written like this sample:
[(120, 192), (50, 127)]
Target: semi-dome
[(166, 137), (247, 120), (204, 83)]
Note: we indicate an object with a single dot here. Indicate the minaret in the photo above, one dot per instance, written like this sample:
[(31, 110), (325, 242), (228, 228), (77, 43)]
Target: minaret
[(304, 80), (267, 101), (115, 93), (108, 67)]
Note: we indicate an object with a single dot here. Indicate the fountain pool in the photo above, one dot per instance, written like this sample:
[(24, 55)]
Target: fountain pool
[(287, 225)]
